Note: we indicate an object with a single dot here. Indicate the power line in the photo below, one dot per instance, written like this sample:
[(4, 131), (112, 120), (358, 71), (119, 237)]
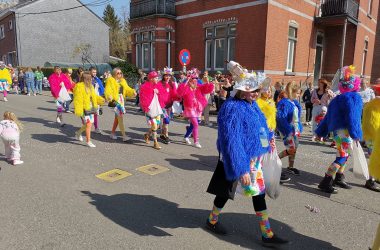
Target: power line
[(92, 4)]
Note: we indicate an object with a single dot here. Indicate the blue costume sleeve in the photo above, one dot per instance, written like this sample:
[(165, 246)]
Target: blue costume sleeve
[(299, 115), (101, 87), (283, 109), (230, 132), (354, 111)]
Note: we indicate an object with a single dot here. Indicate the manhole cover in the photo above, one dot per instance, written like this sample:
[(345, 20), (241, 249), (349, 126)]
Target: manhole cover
[(152, 169), (113, 175)]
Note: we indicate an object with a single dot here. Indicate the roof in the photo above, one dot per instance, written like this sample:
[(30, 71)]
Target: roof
[(23, 4)]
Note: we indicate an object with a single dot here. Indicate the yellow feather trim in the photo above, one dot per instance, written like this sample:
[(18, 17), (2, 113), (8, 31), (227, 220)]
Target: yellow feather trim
[(84, 100), (269, 110)]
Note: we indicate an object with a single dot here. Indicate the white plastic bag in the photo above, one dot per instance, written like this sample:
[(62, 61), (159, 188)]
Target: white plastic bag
[(360, 162), (155, 107), (63, 95), (272, 166), (177, 108)]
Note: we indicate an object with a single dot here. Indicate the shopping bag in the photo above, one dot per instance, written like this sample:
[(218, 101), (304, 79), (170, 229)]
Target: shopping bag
[(155, 107), (272, 166), (360, 162), (63, 95), (177, 108)]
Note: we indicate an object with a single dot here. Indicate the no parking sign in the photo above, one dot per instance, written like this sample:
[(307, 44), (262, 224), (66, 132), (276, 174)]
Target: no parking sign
[(184, 57)]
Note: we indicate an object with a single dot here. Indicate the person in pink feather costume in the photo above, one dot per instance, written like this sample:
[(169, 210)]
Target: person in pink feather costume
[(194, 100), (171, 89), (57, 80), (147, 91)]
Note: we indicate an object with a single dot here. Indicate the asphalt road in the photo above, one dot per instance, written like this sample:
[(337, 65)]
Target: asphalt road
[(55, 201)]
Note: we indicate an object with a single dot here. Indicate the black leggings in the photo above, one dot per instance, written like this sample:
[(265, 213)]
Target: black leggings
[(309, 110), (258, 202)]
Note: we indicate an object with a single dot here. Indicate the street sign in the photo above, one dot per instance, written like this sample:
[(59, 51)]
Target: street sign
[(184, 57)]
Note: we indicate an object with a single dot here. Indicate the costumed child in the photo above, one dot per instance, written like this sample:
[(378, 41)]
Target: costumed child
[(10, 129), (371, 135), (289, 124), (152, 92), (171, 89), (99, 90), (86, 106), (115, 92), (343, 118), (268, 106), (318, 119), (5, 80), (194, 100), (58, 80), (243, 139)]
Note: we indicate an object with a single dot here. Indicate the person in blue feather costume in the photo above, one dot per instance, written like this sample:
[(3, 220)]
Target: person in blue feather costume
[(289, 123), (343, 118), (243, 139)]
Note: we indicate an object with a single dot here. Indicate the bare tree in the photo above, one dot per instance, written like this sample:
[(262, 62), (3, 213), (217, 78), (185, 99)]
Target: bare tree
[(84, 51)]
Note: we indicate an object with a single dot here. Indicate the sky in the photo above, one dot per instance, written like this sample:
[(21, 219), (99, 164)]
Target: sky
[(117, 4)]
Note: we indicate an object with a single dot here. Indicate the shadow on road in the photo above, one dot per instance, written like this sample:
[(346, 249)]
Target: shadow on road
[(147, 215), (206, 163)]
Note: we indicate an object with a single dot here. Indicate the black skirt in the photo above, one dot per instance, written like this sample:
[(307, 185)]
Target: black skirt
[(219, 185)]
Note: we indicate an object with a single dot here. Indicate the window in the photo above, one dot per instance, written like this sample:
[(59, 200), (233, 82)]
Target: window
[(292, 40), (2, 31), (145, 56), (145, 50), (370, 7), (219, 46), (10, 25), (364, 58)]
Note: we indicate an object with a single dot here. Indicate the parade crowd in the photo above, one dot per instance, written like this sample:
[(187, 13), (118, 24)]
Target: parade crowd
[(251, 116)]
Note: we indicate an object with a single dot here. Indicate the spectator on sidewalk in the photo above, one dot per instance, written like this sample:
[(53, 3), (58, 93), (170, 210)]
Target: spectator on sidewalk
[(29, 79), (306, 98), (39, 77)]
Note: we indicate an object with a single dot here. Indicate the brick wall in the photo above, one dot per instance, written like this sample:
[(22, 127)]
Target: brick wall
[(8, 43)]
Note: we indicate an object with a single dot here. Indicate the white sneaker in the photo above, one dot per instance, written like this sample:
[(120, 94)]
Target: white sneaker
[(113, 137), (187, 140), (35, 94), (28, 94), (197, 145), (78, 136), (125, 138), (5, 99), (58, 119), (209, 124), (91, 145), (17, 162), (98, 131)]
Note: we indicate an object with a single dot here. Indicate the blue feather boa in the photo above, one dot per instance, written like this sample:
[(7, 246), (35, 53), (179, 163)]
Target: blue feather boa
[(284, 116), (344, 112), (239, 126)]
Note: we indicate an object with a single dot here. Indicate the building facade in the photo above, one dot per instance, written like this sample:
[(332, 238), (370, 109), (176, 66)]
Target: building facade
[(298, 40), (39, 31)]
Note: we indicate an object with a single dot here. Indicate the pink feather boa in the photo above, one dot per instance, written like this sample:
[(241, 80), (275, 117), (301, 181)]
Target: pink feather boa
[(194, 100), (147, 94), (55, 83)]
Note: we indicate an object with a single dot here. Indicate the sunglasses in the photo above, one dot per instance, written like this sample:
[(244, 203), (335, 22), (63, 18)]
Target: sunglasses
[(118, 73)]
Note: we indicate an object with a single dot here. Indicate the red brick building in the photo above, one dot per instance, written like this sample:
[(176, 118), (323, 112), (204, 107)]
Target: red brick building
[(298, 39)]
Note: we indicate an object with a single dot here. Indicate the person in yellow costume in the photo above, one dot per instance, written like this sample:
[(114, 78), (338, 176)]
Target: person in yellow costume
[(371, 134), (116, 90), (268, 106), (5, 80), (85, 106)]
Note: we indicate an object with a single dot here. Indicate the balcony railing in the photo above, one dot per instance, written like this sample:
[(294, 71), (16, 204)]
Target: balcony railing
[(331, 8), (144, 8)]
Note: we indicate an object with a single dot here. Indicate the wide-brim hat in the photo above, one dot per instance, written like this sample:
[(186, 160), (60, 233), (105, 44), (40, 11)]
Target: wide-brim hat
[(244, 80)]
